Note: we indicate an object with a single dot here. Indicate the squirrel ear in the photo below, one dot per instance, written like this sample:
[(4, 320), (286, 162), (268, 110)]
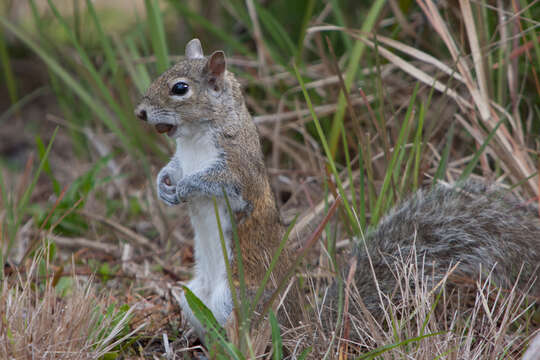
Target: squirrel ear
[(194, 49), (216, 64), (215, 68)]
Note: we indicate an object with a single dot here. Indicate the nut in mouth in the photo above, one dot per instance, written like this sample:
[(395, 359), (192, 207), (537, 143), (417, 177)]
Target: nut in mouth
[(166, 128)]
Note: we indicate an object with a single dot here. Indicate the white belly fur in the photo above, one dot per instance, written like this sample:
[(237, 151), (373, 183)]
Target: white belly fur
[(210, 282)]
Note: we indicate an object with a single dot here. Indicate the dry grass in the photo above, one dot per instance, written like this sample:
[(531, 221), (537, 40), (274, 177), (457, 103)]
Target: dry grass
[(476, 321), (40, 323)]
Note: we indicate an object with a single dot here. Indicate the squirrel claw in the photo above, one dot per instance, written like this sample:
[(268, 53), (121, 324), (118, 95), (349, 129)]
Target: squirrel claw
[(167, 180)]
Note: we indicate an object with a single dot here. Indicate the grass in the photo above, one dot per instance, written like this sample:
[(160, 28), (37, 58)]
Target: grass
[(66, 320), (362, 103), (438, 326)]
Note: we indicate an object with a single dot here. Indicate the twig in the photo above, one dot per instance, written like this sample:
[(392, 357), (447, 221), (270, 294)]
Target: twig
[(79, 242), (321, 110), (141, 240)]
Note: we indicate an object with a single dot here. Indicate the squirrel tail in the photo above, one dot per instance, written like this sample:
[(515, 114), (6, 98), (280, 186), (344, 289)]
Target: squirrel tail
[(478, 229)]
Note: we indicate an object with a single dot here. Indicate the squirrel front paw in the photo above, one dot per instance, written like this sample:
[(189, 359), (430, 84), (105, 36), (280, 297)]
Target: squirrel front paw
[(184, 190), (166, 188)]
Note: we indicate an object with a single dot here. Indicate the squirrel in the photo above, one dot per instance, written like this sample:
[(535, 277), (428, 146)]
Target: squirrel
[(200, 104)]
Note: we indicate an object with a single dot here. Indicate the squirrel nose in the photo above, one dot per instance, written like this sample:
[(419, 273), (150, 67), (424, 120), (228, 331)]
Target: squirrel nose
[(141, 114)]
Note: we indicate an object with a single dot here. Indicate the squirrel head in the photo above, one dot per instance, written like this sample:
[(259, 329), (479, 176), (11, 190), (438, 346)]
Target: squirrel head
[(195, 93)]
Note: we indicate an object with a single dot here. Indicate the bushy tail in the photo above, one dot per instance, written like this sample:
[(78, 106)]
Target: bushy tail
[(481, 228)]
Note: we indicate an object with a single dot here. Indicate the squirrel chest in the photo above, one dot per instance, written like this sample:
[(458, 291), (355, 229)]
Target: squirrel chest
[(196, 153)]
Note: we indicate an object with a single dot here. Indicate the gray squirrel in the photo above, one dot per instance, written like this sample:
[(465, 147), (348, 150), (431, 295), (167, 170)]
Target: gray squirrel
[(200, 104)]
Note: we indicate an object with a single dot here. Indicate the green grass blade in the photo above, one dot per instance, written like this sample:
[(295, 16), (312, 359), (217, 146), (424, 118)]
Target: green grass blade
[(47, 167), (472, 164), (441, 169), (26, 99), (532, 33), (362, 209), (280, 36), (8, 223), (95, 75), (277, 342), (69, 80), (214, 331), (418, 146), (305, 22), (130, 56), (340, 21), (26, 195), (327, 151), (299, 256), (141, 70), (349, 169), (352, 68), (399, 175), (225, 256), (305, 353), (381, 350), (392, 166), (202, 312), (157, 34), (103, 39), (272, 265), (7, 71), (244, 319), (191, 15)]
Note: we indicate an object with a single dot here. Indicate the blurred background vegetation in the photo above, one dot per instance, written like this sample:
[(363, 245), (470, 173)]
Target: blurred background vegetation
[(434, 91)]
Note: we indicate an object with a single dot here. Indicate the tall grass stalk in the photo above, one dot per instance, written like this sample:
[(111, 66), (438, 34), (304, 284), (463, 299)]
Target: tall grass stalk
[(352, 68), (327, 151)]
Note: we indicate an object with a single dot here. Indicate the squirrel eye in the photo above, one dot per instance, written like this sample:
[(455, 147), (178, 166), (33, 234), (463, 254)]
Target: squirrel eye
[(180, 88)]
